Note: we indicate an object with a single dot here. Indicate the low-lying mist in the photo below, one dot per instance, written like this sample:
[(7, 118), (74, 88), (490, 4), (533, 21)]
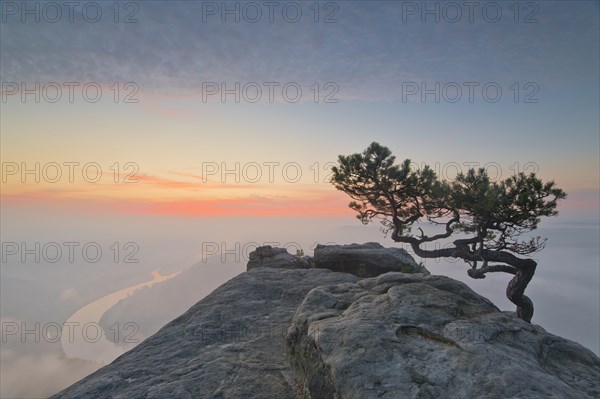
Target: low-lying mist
[(208, 252)]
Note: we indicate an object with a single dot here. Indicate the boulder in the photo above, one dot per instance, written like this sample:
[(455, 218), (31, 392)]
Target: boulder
[(365, 260), (267, 256), (414, 336)]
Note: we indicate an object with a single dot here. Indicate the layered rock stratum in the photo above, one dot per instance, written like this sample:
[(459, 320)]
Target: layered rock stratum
[(288, 328)]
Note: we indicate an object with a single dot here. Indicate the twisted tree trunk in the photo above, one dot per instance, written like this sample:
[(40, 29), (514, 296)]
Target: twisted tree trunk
[(523, 269), (515, 292)]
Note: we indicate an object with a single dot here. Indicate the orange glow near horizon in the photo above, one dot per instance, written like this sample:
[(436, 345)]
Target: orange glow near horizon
[(321, 203), (165, 197), (185, 194)]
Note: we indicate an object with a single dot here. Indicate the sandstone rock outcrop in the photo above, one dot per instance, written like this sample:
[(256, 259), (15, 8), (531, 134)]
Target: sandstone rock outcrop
[(414, 336), (267, 256), (365, 260), (286, 332)]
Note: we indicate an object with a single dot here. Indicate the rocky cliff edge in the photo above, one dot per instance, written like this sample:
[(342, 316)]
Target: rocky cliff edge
[(297, 327)]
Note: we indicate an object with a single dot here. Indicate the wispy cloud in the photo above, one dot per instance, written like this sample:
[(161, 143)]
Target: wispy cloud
[(369, 52), (167, 183)]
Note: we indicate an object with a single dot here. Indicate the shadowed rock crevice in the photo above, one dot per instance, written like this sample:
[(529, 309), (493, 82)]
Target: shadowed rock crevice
[(405, 331)]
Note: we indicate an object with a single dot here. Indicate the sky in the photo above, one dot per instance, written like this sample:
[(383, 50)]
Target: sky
[(185, 93), (172, 124)]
